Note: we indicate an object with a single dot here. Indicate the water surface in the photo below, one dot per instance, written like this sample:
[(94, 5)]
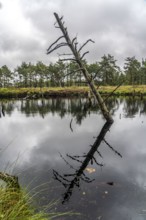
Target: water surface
[(47, 142)]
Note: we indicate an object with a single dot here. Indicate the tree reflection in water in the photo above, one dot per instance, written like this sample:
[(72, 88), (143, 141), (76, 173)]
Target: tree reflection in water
[(71, 180), (78, 108), (2, 110)]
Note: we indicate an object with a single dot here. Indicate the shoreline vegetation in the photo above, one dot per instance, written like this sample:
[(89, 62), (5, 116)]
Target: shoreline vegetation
[(73, 91), (17, 203)]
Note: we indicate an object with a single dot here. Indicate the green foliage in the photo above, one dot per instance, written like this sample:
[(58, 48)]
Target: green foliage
[(109, 71), (15, 204), (60, 74), (133, 71)]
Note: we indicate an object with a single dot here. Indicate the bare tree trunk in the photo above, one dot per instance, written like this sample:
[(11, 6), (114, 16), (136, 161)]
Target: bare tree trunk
[(78, 59)]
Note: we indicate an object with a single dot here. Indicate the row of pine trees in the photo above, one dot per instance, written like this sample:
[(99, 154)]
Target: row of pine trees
[(59, 74)]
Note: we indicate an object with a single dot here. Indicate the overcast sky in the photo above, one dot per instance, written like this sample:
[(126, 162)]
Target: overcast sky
[(27, 28)]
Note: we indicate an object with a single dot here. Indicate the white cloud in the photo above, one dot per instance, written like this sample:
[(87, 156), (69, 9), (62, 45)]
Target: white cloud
[(117, 26)]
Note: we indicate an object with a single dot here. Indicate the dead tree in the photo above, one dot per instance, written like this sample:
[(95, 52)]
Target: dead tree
[(71, 180), (78, 58)]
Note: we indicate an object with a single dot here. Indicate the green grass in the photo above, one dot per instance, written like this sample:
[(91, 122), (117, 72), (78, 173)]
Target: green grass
[(17, 205), (68, 91), (124, 90)]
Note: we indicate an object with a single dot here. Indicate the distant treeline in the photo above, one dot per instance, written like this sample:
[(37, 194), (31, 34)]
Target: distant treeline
[(59, 74)]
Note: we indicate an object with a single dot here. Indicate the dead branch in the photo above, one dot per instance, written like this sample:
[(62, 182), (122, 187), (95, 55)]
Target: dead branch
[(74, 71), (58, 177), (84, 54), (56, 47), (99, 164), (67, 162), (65, 54), (87, 180), (116, 152), (73, 158), (55, 42), (89, 40), (68, 175), (77, 156), (67, 59), (112, 92), (98, 71), (70, 125), (74, 39), (99, 153), (76, 44)]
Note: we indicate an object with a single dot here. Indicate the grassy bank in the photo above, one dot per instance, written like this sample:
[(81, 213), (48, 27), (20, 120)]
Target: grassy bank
[(17, 204), (68, 91)]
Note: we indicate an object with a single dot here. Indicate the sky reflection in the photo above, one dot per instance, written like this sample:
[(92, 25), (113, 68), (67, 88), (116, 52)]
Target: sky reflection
[(35, 144)]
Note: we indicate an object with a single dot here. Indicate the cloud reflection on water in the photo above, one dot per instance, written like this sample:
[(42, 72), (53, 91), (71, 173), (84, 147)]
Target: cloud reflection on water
[(41, 139)]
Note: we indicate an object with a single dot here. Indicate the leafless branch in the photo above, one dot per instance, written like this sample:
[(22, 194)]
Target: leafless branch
[(85, 44), (74, 71), (116, 152), (68, 175), (99, 164), (67, 162), (64, 54), (76, 44), (70, 125), (74, 39), (87, 180), (72, 157), (84, 54), (99, 154), (68, 59), (58, 177), (112, 92), (56, 47), (98, 71), (76, 156), (55, 42), (86, 177)]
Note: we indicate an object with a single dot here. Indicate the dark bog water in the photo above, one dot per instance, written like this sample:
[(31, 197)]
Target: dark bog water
[(63, 149)]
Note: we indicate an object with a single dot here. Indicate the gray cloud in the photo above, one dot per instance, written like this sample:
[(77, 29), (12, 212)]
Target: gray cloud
[(27, 28)]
